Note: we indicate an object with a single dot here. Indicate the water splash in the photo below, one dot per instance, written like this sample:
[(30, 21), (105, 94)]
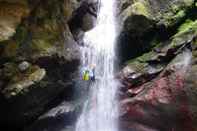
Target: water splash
[(101, 110)]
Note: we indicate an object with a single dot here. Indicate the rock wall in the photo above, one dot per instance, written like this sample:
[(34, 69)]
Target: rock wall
[(158, 44), (39, 58), (39, 54)]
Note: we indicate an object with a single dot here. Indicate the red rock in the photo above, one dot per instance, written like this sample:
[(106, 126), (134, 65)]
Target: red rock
[(160, 105)]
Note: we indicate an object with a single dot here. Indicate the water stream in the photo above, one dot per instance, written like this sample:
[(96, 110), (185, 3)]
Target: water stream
[(101, 110)]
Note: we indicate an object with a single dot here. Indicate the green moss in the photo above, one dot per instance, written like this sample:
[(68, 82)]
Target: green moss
[(141, 8), (172, 18), (146, 57), (140, 63), (44, 43), (179, 14), (176, 12), (41, 45), (137, 66), (45, 36), (187, 26), (175, 8), (154, 43), (185, 33)]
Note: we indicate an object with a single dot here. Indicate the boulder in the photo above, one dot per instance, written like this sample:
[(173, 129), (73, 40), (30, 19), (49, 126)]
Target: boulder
[(83, 18), (88, 22), (23, 66), (60, 118), (16, 87)]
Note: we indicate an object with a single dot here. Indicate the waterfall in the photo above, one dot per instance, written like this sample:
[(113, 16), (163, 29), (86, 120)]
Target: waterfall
[(101, 109)]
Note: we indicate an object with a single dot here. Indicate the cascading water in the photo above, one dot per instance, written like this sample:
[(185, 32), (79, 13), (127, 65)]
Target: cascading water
[(101, 110)]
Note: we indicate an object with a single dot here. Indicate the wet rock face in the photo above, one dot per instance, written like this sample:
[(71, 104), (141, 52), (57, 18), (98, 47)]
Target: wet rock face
[(165, 99), (158, 90), (39, 57), (143, 22), (166, 12), (39, 54)]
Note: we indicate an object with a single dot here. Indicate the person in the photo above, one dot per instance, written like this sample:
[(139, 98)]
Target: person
[(92, 72), (89, 73)]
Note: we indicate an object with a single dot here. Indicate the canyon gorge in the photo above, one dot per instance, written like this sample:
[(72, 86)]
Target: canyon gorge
[(148, 49)]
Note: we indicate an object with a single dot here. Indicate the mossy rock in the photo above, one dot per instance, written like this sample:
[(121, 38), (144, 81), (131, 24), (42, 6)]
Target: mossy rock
[(142, 68), (45, 39), (168, 12), (42, 33), (147, 56), (140, 63), (172, 18), (186, 34), (20, 82), (141, 8), (187, 26), (174, 13), (138, 66), (136, 8), (13, 74)]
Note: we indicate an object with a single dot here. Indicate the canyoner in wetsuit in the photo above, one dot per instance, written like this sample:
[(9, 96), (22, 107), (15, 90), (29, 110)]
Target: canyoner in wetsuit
[(89, 73)]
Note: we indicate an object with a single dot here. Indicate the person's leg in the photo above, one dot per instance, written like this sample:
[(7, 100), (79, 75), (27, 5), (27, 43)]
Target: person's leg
[(93, 78)]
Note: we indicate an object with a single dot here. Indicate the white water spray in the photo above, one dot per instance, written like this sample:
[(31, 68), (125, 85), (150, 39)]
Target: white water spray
[(101, 110)]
